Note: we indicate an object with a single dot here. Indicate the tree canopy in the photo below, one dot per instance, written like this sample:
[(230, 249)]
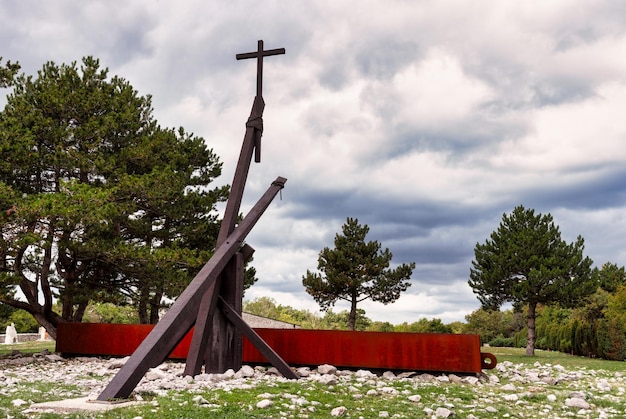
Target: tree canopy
[(99, 202), (525, 261), (356, 270), (8, 72)]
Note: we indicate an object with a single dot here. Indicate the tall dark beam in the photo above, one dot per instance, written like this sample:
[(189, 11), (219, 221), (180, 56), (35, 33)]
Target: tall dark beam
[(209, 327)]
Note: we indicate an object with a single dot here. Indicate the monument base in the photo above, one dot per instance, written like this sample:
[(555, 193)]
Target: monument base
[(81, 405)]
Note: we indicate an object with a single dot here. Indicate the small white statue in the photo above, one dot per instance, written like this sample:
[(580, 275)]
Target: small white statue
[(11, 334)]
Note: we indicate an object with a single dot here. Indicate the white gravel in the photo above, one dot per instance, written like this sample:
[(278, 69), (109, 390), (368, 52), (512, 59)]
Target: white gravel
[(565, 393)]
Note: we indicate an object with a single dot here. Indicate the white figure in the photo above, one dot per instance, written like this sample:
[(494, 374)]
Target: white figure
[(11, 334), (42, 333)]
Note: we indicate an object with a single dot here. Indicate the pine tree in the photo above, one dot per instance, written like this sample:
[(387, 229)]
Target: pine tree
[(356, 270), (525, 261)]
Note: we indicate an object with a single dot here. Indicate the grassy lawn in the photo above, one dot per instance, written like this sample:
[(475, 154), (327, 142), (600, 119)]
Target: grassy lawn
[(27, 347), (315, 400), (571, 362)]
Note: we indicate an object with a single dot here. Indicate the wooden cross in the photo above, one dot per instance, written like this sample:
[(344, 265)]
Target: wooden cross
[(256, 117), (259, 54)]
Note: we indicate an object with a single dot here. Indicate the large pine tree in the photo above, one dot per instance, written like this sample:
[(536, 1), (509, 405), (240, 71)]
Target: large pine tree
[(525, 261)]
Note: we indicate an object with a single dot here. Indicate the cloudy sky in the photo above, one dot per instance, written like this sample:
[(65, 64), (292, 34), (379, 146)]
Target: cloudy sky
[(426, 120)]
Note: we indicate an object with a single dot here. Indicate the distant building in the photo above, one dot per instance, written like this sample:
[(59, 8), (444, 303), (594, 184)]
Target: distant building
[(261, 322)]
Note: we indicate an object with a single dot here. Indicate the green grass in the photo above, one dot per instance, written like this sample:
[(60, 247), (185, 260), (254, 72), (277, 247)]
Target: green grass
[(571, 362), (295, 400), (27, 347), (311, 399)]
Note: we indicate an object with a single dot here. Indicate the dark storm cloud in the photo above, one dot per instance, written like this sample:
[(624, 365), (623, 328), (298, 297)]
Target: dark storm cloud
[(606, 190)]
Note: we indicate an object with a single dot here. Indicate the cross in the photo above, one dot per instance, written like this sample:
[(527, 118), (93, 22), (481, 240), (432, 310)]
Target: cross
[(259, 54)]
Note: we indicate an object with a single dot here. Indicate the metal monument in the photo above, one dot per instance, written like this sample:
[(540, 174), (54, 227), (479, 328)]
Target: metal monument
[(211, 303)]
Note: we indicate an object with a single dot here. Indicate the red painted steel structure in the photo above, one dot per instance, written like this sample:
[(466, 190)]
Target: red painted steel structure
[(371, 350)]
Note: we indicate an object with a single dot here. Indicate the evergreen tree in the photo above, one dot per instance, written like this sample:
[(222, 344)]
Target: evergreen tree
[(525, 261), (356, 270)]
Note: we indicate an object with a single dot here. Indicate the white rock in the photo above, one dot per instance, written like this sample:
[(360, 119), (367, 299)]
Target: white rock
[(303, 371), (205, 377), (491, 409), (116, 363), (371, 392), (327, 369), (264, 404), (18, 402), (603, 385), (508, 387), (493, 379), (338, 411), (551, 398), (389, 375), (576, 402), (200, 400), (471, 380), (246, 371), (454, 378), (578, 395), (443, 379), (443, 412), (415, 398), (273, 371), (154, 374), (327, 379), (511, 397), (364, 374)]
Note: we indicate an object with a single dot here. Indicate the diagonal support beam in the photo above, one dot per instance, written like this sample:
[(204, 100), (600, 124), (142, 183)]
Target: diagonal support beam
[(181, 316), (257, 341)]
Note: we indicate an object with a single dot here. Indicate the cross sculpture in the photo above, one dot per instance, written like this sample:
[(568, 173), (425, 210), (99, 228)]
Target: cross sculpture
[(211, 303)]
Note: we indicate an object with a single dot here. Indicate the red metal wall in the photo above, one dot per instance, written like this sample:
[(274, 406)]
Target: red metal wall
[(380, 350)]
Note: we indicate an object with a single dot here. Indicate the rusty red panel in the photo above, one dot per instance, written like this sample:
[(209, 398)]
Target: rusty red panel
[(375, 350), (403, 351), (109, 339)]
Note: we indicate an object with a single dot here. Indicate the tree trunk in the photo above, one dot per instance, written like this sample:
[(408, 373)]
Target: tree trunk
[(155, 305), (352, 318), (80, 312), (142, 308), (530, 337), (48, 323)]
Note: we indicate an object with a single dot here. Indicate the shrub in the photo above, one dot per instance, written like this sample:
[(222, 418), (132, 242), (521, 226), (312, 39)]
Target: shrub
[(503, 342)]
